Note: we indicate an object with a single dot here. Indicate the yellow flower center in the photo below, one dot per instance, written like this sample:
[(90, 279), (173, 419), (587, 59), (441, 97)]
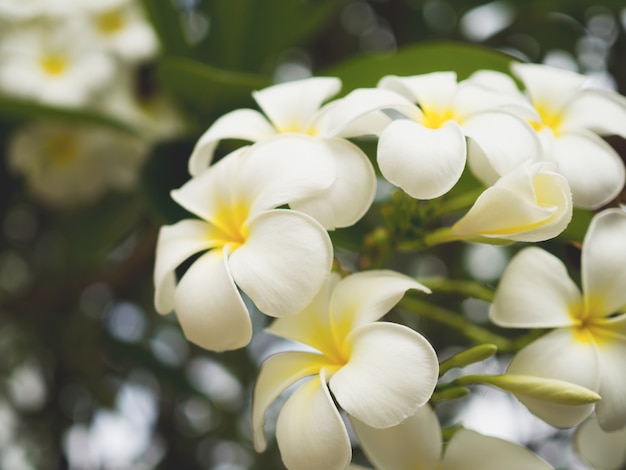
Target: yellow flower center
[(435, 118), (61, 149), (111, 22), (231, 220), (549, 118), (589, 326), (298, 129), (54, 64)]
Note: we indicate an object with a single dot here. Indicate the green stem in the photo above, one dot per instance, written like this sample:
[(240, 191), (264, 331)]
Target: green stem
[(472, 331), (437, 237), (457, 203), (466, 288)]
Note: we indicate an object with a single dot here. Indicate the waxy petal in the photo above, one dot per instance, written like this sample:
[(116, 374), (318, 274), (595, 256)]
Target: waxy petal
[(175, 244), (594, 171), (535, 291), (284, 261), (600, 111), (561, 355), (244, 124), (392, 370), (277, 373), (425, 163), (291, 106), (549, 87), (366, 297), (208, 306), (603, 262), (469, 450), (434, 91), (414, 443), (352, 192), (310, 432), (602, 450)]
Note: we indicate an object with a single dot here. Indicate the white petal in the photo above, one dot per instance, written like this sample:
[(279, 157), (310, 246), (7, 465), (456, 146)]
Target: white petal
[(352, 192), (367, 296), (496, 81), (558, 355), (276, 374), (175, 244), (244, 124), (414, 443), (602, 450), (548, 86), (392, 370), (469, 450), (535, 291), (603, 262), (504, 139), (434, 91), (292, 105), (600, 111), (284, 261), (426, 163), (310, 431), (209, 307), (594, 171), (472, 98)]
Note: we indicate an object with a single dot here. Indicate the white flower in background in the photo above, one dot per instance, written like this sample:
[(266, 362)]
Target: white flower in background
[(25, 10), (588, 343), (66, 164), (600, 449), (277, 257), (416, 443), (120, 26), (377, 372), (46, 62), (295, 109), (530, 203), (425, 153), (569, 119)]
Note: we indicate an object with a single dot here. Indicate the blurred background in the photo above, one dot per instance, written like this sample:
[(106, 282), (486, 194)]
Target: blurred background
[(101, 103)]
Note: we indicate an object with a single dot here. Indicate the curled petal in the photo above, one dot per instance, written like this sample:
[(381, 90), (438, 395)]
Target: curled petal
[(594, 171), (175, 244), (558, 355), (366, 297), (244, 124), (208, 306), (603, 262), (469, 450), (276, 374), (310, 432), (392, 370), (284, 261), (352, 192), (414, 443), (426, 163), (600, 111), (601, 449), (535, 292), (291, 106)]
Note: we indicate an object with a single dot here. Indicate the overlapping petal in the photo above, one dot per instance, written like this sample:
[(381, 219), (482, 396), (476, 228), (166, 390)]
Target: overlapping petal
[(210, 310), (600, 111), (310, 432), (391, 371), (535, 291), (547, 86), (602, 450), (431, 90), (560, 354), (425, 163)]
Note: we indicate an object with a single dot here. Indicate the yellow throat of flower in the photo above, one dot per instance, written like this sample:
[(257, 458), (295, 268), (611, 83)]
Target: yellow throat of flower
[(231, 220), (54, 64), (548, 118), (435, 118), (589, 326), (111, 22)]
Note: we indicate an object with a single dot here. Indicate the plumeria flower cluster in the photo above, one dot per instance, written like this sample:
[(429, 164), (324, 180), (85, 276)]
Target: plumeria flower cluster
[(260, 241)]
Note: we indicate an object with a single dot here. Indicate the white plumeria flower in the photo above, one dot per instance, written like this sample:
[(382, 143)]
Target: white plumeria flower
[(277, 257), (530, 203), (67, 164), (25, 10), (295, 109), (46, 62), (602, 450), (425, 154), (378, 372), (416, 443), (569, 119), (121, 27), (588, 344)]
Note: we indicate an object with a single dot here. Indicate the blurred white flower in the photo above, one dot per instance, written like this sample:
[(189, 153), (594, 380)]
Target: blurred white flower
[(416, 443), (277, 257), (588, 344), (24, 10), (377, 372), (600, 449), (53, 62), (569, 119), (67, 164)]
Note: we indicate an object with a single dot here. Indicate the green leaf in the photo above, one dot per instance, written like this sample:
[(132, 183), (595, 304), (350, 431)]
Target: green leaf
[(577, 228), (166, 19), (464, 59), (208, 90)]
